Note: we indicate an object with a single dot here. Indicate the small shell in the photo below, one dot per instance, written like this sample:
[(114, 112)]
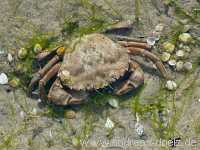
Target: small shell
[(113, 102), (3, 78), (139, 128), (70, 114), (151, 41), (15, 82), (165, 56), (37, 48), (22, 53), (171, 85), (188, 66), (179, 66), (10, 58), (180, 53), (34, 111), (109, 124), (172, 62), (185, 38), (168, 47)]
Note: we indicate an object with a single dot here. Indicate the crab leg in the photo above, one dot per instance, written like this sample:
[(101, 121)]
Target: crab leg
[(42, 83), (151, 56), (130, 39), (42, 72), (134, 44), (60, 96), (46, 54), (134, 81)]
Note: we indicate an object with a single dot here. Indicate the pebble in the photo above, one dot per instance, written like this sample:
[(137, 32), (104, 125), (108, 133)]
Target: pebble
[(159, 27), (10, 58), (188, 66), (168, 47), (172, 62), (180, 53), (70, 114), (15, 82), (3, 79), (171, 85), (185, 38), (165, 56), (139, 128), (109, 124), (179, 66), (113, 102), (187, 48)]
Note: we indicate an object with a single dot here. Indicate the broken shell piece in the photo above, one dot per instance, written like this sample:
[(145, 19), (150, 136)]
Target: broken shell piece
[(185, 38), (22, 53), (10, 58), (188, 66), (168, 47), (151, 41), (3, 78), (180, 53), (37, 48), (113, 102), (171, 85), (165, 57), (172, 62), (139, 128), (109, 124), (179, 66)]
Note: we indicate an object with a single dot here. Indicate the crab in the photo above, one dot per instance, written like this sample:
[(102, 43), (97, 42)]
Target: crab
[(93, 63)]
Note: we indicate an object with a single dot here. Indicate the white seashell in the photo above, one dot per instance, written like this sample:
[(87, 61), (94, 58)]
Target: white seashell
[(172, 62), (139, 128), (3, 78), (171, 85), (179, 66), (109, 124), (39, 100), (50, 134), (22, 114), (165, 56), (10, 58), (34, 111), (180, 53), (159, 27), (185, 38), (188, 66), (113, 102)]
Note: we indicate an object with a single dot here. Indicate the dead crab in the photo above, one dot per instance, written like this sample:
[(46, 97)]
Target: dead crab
[(95, 63)]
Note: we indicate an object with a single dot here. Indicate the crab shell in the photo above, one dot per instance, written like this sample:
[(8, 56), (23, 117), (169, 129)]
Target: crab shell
[(95, 62)]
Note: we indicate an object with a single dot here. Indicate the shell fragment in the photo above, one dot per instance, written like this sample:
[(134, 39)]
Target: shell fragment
[(3, 78)]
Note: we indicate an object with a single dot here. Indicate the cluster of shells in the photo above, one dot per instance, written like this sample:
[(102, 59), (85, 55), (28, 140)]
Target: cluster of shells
[(178, 56)]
